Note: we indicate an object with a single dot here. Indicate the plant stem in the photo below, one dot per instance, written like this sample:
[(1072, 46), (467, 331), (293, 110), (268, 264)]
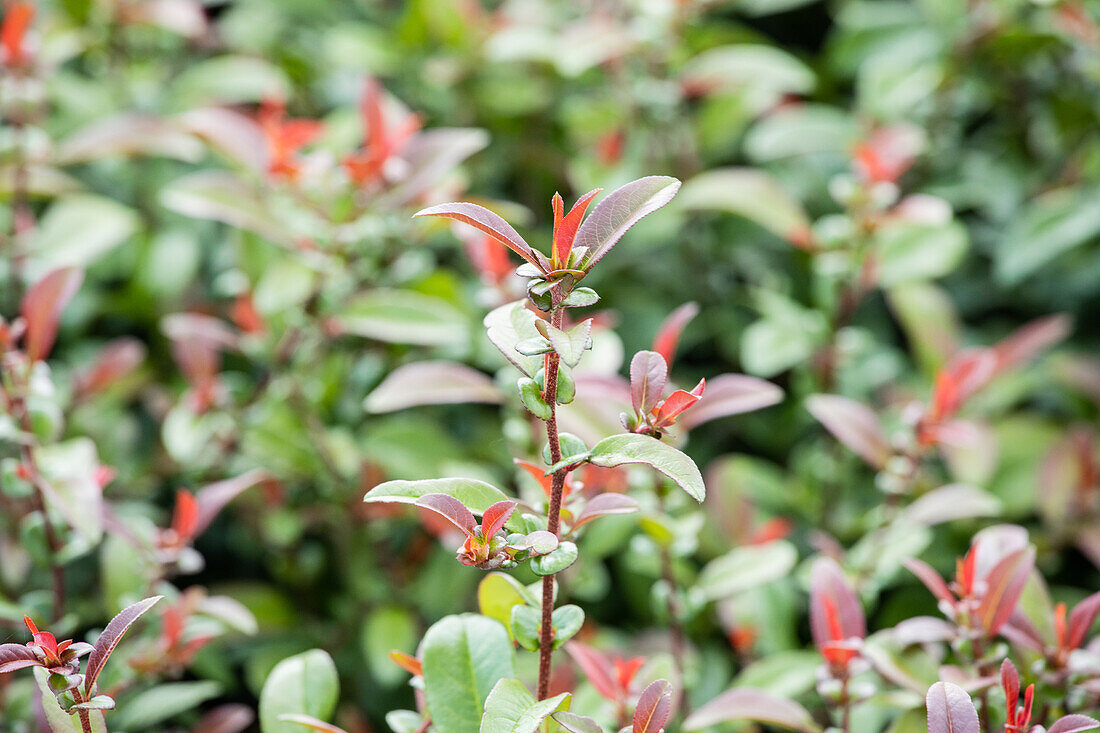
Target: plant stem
[(83, 715), (846, 707), (553, 523)]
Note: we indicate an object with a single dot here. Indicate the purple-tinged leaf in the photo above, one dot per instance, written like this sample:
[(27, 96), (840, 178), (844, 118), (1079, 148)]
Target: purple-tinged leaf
[(1073, 724), (950, 710), (1020, 631), (114, 362), (950, 502), (668, 335), (654, 708), (430, 155), (619, 211), (835, 611), (1005, 584), (576, 723), (230, 718), (492, 224), (731, 394), (451, 509), (110, 638), (431, 383), (1031, 339), (603, 505), (648, 374), (597, 667), (495, 516), (1081, 619), (995, 543), (746, 703), (922, 630), (17, 656), (42, 306), (232, 134), (932, 580), (854, 424), (212, 498)]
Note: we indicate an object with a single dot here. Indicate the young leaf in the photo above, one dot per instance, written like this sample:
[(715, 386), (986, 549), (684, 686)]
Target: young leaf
[(305, 684), (1081, 619), (508, 326), (835, 611), (42, 307), (932, 580), (431, 383), (212, 498), (950, 710), (731, 394), (654, 708), (630, 448), (511, 708), (1005, 584), (854, 424), (668, 335), (619, 211), (744, 703), (16, 656), (495, 516), (110, 638), (490, 223), (1073, 724), (463, 659), (574, 723), (648, 373), (476, 495), (597, 667), (603, 505), (566, 232), (453, 510), (570, 345)]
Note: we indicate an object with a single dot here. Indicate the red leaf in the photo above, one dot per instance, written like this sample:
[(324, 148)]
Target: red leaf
[(1010, 681), (214, 497), (654, 708), (115, 361), (677, 403), (731, 394), (835, 611), (853, 424), (451, 509), (604, 504), (407, 662), (1029, 340), (1073, 724), (619, 211), (597, 667), (185, 519), (648, 373), (1005, 584), (490, 223), (950, 710), (567, 231), (110, 638), (495, 516), (1081, 619), (17, 20), (668, 335), (537, 472), (42, 307), (17, 656)]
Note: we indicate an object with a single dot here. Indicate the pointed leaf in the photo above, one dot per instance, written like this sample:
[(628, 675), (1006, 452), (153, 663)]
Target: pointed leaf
[(475, 495), (744, 703), (932, 580), (648, 373), (622, 209), (452, 509), (463, 659), (110, 638), (1081, 619), (668, 335), (731, 394), (431, 383), (597, 667), (1005, 584), (567, 231), (853, 424), (1073, 724), (42, 307), (950, 710), (490, 223), (511, 708), (629, 448), (654, 707)]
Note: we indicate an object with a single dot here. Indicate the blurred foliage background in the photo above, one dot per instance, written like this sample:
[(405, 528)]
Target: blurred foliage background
[(870, 185)]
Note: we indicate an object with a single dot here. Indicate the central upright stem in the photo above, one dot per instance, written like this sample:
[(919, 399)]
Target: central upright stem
[(553, 524)]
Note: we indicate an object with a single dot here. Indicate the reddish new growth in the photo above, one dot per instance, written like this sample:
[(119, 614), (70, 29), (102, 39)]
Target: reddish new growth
[(43, 651), (285, 137), (13, 32), (381, 139), (836, 617)]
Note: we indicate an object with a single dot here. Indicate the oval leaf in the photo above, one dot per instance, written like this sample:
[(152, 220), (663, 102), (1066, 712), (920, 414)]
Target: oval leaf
[(305, 684), (950, 710), (630, 448), (622, 209)]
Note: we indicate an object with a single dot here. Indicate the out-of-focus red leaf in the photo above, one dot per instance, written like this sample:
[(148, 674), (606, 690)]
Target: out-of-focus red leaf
[(745, 703), (16, 656), (110, 638), (285, 137), (731, 394), (490, 223), (853, 424), (495, 516), (835, 610), (1080, 621), (17, 19), (42, 306), (597, 667), (654, 707), (115, 361), (212, 498), (677, 403), (603, 505), (1073, 724), (668, 335), (1005, 584), (451, 509), (993, 544), (959, 380), (185, 519), (566, 231), (407, 662), (1031, 339), (950, 710), (648, 374)]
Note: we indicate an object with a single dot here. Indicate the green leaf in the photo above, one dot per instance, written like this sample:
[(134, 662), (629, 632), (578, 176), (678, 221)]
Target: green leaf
[(567, 621), (227, 80), (751, 194), (225, 197), (524, 623), (530, 394), (570, 345), (162, 702), (558, 560), (581, 298), (630, 448), (476, 495), (60, 721), (463, 657), (498, 593), (386, 629), (1048, 227), (761, 68), (509, 325), (802, 129), (919, 251), (746, 567), (306, 684), (404, 317), (511, 708), (78, 230)]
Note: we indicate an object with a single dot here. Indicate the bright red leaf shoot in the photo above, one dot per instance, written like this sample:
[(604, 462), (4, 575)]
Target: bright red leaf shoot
[(565, 228), (381, 140), (407, 662), (668, 335), (1016, 718), (836, 616), (13, 33), (285, 137)]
